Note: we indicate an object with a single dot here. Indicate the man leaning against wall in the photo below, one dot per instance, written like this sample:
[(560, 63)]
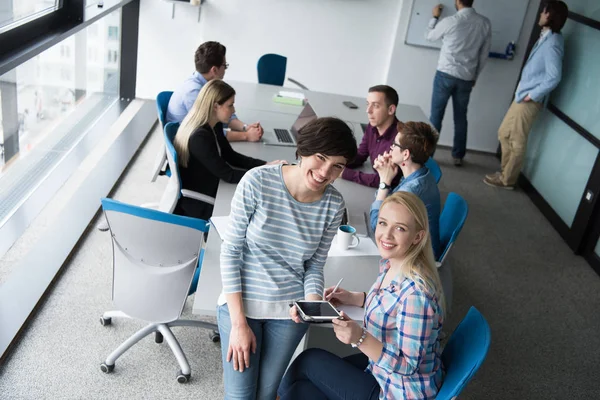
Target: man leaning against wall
[(541, 74)]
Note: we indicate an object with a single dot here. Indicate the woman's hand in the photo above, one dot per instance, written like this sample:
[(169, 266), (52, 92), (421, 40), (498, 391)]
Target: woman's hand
[(341, 296), (381, 160), (275, 162), (241, 342), (387, 171), (294, 315), (347, 331)]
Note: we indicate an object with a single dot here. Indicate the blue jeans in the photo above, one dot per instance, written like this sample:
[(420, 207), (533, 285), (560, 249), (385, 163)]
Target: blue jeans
[(444, 86), (276, 341), (318, 374)]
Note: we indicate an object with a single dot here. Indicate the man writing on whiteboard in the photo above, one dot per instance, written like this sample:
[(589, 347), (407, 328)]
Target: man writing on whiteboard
[(466, 40), (541, 74)]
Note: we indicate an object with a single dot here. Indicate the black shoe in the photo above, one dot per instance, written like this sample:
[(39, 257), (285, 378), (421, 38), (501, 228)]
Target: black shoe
[(457, 162)]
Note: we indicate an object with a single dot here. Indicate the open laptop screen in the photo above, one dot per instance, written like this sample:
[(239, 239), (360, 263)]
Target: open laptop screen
[(306, 115)]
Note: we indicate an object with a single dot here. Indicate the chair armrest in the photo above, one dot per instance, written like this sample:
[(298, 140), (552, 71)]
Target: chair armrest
[(198, 196), (152, 206), (298, 83)]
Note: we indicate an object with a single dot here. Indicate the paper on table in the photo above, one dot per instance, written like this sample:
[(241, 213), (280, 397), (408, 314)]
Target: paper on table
[(220, 224), (355, 313), (366, 247), (294, 95)]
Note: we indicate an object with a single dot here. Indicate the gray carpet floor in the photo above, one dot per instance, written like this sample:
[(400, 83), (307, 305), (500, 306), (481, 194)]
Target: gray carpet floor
[(538, 298)]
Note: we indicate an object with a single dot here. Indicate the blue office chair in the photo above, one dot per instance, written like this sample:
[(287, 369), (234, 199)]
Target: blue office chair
[(162, 103), (271, 70), (434, 168), (452, 220), (464, 353), (173, 192), (156, 261)]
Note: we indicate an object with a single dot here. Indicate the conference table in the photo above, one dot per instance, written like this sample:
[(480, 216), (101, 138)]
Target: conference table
[(254, 103)]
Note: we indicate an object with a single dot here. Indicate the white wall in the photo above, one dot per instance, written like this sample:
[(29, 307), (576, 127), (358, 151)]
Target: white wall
[(339, 46), (412, 69)]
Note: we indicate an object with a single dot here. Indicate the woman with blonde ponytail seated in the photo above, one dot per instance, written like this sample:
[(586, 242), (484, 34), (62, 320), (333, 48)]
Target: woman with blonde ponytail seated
[(205, 156), (399, 337)]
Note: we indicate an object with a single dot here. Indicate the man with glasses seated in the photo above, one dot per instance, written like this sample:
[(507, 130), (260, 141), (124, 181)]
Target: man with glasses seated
[(210, 64)]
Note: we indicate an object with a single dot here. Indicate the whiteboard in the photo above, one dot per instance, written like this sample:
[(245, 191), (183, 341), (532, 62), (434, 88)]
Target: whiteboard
[(506, 16)]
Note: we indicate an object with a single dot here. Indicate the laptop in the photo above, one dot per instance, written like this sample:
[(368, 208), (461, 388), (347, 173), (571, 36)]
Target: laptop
[(285, 137)]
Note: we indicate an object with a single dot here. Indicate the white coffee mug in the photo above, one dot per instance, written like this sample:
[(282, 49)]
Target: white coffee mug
[(346, 237)]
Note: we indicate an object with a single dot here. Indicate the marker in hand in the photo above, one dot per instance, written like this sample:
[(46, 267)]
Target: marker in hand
[(335, 288)]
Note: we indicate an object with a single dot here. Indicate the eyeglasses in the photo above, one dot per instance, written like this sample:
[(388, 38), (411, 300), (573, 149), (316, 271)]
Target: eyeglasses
[(394, 144), (226, 65)]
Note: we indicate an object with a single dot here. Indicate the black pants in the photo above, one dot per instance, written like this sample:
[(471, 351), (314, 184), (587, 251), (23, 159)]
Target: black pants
[(318, 374)]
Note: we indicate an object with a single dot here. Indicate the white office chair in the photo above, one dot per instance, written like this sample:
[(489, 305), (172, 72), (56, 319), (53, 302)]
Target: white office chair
[(173, 190), (155, 260)]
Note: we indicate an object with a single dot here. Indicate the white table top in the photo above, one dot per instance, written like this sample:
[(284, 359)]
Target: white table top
[(257, 96), (254, 103)]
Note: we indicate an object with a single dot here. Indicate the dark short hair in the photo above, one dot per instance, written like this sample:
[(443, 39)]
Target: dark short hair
[(466, 3), (419, 138), (208, 55), (558, 14), (390, 94), (328, 136)]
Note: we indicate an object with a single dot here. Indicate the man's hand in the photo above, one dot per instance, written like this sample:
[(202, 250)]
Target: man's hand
[(527, 99), (437, 10), (254, 133), (257, 125)]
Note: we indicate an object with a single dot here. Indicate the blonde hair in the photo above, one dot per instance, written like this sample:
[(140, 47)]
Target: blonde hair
[(419, 261), (214, 92)]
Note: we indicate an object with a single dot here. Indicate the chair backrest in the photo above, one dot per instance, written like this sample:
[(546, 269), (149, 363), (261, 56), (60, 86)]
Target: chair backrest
[(452, 220), (155, 257), (271, 69), (172, 192), (464, 353), (434, 168), (162, 102)]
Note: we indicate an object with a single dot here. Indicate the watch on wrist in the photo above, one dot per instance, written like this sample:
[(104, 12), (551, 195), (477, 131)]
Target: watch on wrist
[(361, 340), (384, 186), (245, 127)]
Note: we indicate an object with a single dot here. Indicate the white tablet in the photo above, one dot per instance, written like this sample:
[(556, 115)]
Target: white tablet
[(316, 311)]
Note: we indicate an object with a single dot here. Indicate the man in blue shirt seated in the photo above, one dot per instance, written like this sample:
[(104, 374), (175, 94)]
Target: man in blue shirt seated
[(210, 64)]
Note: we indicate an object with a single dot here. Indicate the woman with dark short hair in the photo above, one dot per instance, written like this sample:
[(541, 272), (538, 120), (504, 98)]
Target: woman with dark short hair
[(283, 219)]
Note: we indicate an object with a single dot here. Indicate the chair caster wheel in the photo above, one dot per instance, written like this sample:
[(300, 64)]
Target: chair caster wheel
[(183, 378), (158, 337), (214, 336), (105, 321), (107, 369)]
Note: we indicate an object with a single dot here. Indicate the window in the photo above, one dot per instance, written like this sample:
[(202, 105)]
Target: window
[(113, 33), (112, 56), (17, 12)]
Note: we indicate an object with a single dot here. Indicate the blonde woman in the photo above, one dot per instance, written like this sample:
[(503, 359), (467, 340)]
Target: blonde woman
[(205, 155), (399, 337)]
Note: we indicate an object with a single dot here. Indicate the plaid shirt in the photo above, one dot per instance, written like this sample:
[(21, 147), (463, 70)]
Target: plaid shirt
[(408, 321)]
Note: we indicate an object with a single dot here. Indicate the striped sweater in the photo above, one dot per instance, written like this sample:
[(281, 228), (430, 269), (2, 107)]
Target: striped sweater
[(275, 247)]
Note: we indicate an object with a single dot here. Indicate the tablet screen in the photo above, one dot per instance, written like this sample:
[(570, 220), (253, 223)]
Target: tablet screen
[(318, 309)]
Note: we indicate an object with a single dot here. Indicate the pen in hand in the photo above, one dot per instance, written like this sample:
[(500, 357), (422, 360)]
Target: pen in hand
[(335, 288)]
